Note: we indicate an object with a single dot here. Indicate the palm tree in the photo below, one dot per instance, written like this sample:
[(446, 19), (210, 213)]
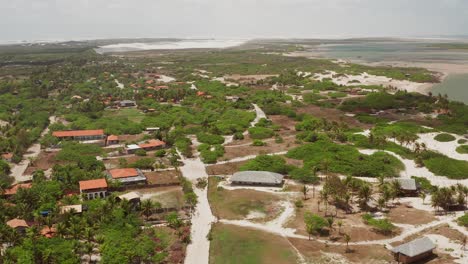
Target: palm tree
[(340, 224), (347, 238), (423, 196), (310, 230), (305, 190), (324, 198), (147, 208), (365, 195)]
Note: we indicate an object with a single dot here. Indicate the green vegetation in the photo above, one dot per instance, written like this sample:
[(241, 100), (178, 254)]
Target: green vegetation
[(463, 220), (443, 165), (267, 163), (383, 226), (425, 184), (444, 137), (210, 154), (463, 149), (237, 245), (210, 138), (331, 157), (261, 132)]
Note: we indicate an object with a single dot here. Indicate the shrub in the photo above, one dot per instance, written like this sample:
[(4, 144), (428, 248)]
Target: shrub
[(463, 220), (267, 163), (210, 138), (160, 153), (444, 137), (303, 175), (258, 143), (140, 152), (463, 149), (462, 141), (445, 166), (383, 226), (238, 136), (261, 132), (425, 184)]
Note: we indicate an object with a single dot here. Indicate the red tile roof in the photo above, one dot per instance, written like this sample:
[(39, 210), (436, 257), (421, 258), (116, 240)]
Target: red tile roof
[(78, 133), (112, 138), (152, 144), (93, 184), (14, 223), (7, 155), (123, 173), (48, 232), (14, 189)]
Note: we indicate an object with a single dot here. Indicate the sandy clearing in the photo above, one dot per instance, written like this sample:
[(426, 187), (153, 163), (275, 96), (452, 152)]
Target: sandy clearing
[(446, 148), (454, 249), (249, 157), (198, 250), (368, 79), (411, 169), (33, 151)]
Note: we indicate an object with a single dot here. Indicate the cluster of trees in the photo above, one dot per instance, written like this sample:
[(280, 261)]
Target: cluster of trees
[(449, 198)]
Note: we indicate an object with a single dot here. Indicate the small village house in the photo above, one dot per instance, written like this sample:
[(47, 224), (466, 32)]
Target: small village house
[(7, 157), (133, 197), (14, 189), (409, 187), (127, 103), (414, 251), (76, 209), (19, 224), (263, 178), (92, 189), (112, 140), (153, 144), (127, 176), (86, 136)]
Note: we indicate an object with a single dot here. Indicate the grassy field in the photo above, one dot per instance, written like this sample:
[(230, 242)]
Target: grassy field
[(463, 149), (132, 114), (237, 245), (239, 203)]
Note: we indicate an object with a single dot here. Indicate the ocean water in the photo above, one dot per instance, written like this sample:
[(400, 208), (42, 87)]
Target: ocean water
[(455, 86), (172, 45)]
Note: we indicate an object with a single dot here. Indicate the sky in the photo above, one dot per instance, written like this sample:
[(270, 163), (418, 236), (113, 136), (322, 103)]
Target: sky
[(90, 19)]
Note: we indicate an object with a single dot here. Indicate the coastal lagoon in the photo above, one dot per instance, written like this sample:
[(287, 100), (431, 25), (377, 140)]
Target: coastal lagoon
[(171, 45), (455, 86), (405, 53)]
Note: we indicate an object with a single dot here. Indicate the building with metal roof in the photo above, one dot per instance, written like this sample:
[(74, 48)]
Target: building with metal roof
[(257, 178), (414, 251)]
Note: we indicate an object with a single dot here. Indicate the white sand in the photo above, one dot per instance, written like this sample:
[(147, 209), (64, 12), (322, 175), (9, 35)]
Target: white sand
[(411, 169), (173, 45), (119, 84), (18, 170), (368, 79), (446, 148), (198, 249), (166, 79), (447, 246)]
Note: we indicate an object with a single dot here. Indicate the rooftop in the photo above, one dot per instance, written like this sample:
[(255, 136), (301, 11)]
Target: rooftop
[(14, 223), (415, 247), (408, 184), (129, 196), (257, 177), (93, 184), (78, 208), (123, 173), (14, 189), (78, 133), (113, 138), (7, 155), (152, 144)]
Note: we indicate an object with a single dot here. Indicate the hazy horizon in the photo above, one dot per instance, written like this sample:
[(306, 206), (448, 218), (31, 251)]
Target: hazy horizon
[(28, 20)]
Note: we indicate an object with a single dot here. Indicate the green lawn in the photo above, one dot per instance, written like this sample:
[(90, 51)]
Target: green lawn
[(463, 149), (444, 137), (237, 245), (131, 114)]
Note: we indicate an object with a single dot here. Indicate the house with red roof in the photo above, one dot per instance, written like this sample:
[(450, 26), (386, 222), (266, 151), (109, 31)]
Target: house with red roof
[(19, 224), (92, 189), (7, 157), (81, 135), (127, 176), (152, 144), (14, 189), (112, 140)]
